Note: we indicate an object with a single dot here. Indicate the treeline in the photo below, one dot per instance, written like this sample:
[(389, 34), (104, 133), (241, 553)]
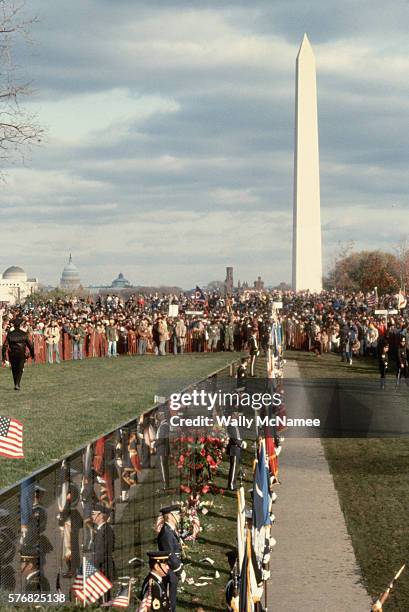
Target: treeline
[(364, 270)]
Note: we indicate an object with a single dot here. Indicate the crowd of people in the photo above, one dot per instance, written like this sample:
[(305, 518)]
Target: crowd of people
[(108, 326), (77, 328)]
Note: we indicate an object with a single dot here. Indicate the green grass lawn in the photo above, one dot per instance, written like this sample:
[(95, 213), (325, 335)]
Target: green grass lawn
[(372, 480), (65, 406)]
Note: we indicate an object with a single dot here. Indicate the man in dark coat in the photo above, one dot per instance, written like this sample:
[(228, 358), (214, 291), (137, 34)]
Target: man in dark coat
[(253, 348), (234, 449), (16, 343), (402, 362), (104, 542)]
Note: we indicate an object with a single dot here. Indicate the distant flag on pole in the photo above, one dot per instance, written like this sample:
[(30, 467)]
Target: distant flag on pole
[(11, 438), (261, 495), (372, 300), (245, 597), (241, 524), (199, 295)]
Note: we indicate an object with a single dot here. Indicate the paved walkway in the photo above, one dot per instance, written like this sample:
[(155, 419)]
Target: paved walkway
[(313, 564)]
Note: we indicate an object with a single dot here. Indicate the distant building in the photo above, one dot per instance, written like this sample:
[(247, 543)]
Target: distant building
[(120, 282), (259, 284), (15, 287), (70, 278), (228, 283)]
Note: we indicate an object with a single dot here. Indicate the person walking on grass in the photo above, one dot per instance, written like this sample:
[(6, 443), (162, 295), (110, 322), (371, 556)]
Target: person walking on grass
[(17, 341), (383, 363)]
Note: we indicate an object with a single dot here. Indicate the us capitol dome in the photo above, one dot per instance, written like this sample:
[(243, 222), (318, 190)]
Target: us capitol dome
[(70, 278)]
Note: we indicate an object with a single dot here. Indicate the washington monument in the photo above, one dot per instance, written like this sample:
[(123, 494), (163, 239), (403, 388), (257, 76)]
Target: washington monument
[(307, 258)]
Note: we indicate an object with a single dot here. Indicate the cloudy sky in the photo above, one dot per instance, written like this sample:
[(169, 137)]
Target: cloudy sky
[(169, 147)]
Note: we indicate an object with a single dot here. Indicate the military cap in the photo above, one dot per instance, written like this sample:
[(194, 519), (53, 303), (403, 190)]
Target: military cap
[(101, 508), (169, 509), (28, 553), (158, 555)]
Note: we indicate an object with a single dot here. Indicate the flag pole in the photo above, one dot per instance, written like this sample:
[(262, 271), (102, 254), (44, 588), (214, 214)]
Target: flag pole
[(83, 579), (130, 591)]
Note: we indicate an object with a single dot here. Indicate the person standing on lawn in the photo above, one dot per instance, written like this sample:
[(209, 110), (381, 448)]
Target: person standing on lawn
[(15, 345)]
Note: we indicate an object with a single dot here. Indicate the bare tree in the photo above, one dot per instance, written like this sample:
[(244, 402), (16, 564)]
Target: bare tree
[(18, 128), (402, 254), (337, 277)]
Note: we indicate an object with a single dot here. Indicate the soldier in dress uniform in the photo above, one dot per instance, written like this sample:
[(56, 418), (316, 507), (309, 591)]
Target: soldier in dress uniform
[(169, 539), (154, 587), (33, 580), (16, 343), (242, 372)]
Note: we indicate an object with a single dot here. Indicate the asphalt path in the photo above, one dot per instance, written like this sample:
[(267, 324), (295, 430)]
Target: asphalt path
[(313, 566)]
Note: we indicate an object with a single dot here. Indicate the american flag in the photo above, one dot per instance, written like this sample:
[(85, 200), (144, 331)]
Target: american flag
[(372, 299), (122, 599), (199, 295), (11, 438), (95, 584), (146, 603), (195, 527)]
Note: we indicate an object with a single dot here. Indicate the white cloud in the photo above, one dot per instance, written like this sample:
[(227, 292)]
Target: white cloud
[(71, 119)]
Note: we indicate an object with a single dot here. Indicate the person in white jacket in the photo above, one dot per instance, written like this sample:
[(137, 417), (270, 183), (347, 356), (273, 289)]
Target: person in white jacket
[(52, 339), (371, 338)]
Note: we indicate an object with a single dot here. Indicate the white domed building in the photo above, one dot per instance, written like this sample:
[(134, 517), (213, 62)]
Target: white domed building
[(70, 278), (15, 287)]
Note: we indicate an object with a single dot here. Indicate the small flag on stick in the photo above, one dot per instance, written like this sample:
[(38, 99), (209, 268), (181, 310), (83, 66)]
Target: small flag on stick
[(89, 587), (11, 438)]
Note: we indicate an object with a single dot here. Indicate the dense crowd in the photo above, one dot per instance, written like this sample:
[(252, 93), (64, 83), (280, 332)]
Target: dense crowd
[(75, 328)]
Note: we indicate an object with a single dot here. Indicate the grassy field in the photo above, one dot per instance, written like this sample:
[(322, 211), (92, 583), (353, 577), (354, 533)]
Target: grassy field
[(372, 480), (65, 406)]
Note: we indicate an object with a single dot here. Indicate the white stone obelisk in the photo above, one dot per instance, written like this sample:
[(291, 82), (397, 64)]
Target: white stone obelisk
[(307, 257)]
